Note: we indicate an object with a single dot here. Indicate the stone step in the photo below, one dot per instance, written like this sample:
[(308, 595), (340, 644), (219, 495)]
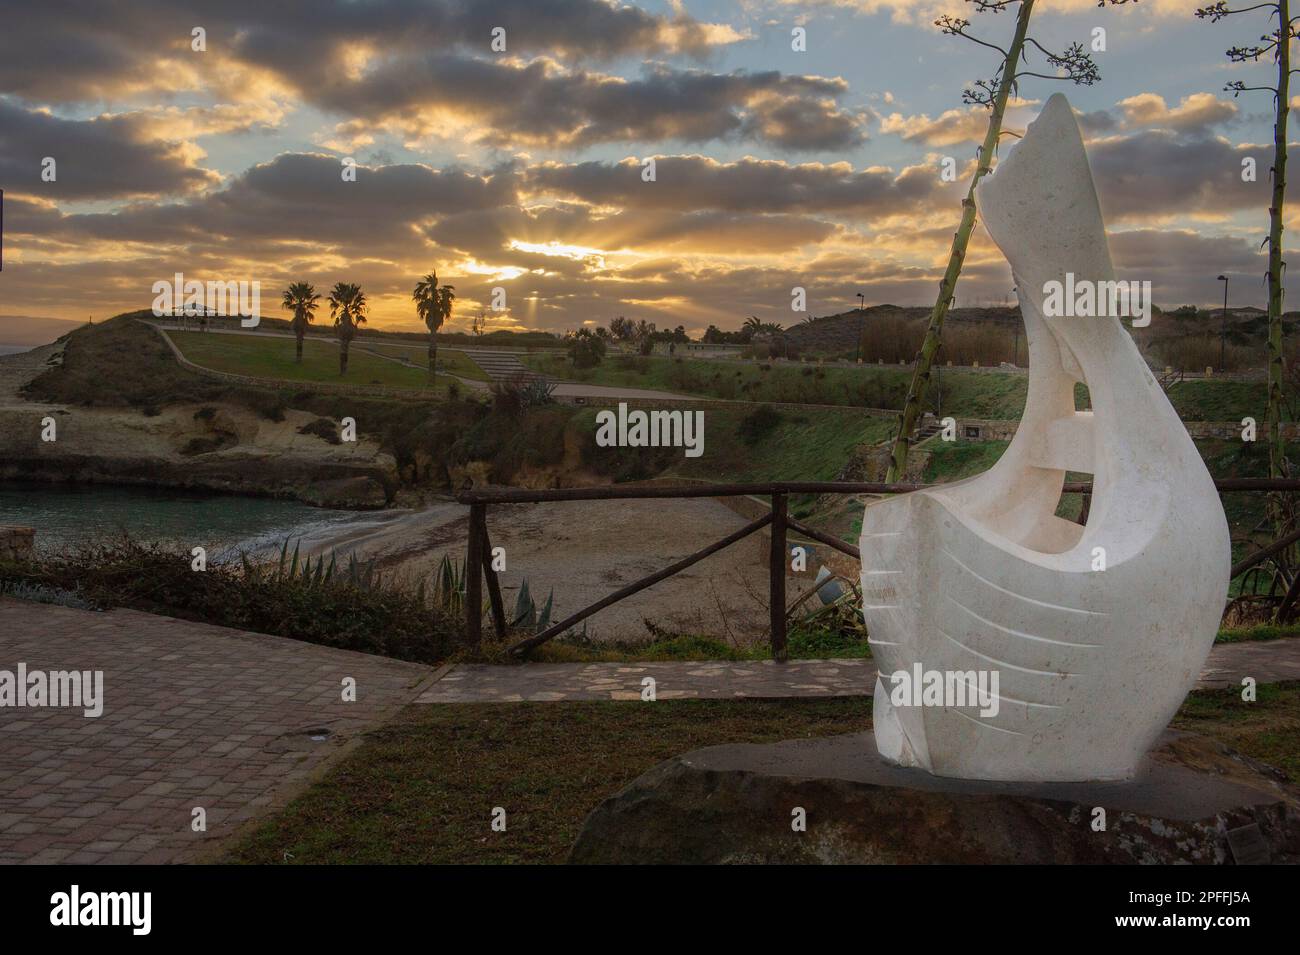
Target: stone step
[(500, 367)]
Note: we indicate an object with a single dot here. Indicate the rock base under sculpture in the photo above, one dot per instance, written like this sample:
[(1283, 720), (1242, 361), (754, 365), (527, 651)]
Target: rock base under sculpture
[(1195, 801)]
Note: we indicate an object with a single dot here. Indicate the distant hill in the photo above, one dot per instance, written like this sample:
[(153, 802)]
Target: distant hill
[(32, 330), (840, 332)]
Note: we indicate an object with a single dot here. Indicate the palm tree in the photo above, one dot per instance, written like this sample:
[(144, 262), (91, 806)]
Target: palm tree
[(433, 305), (300, 298), (348, 309)]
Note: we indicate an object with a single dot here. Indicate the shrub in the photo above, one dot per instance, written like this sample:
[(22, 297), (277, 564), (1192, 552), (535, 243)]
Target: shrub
[(586, 349), (758, 424), (323, 428), (328, 605), (515, 397)]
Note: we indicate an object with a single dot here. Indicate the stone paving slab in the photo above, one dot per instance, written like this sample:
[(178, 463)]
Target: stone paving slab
[(712, 680), (193, 715), (1269, 661)]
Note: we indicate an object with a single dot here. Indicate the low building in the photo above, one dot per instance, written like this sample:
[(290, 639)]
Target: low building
[(698, 350)]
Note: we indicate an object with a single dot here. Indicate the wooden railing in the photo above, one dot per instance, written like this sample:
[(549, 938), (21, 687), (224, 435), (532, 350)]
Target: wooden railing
[(478, 559)]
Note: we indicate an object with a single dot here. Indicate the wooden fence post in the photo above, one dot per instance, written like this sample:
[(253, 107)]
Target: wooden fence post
[(474, 575), (776, 566), (493, 585)]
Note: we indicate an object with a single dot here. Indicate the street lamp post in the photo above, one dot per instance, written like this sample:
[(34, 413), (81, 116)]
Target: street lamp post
[(1015, 358), (862, 307), (1223, 329)]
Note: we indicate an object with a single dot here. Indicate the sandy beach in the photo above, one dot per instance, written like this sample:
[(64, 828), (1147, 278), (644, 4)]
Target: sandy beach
[(585, 550)]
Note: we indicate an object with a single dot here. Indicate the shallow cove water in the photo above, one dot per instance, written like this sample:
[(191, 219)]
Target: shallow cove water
[(69, 515)]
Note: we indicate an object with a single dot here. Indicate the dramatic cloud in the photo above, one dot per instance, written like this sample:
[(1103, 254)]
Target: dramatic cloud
[(948, 129), (1194, 114), (77, 50), (1160, 174), (540, 103), (107, 157), (689, 183), (522, 168)]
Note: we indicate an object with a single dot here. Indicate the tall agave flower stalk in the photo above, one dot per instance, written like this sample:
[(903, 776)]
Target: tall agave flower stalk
[(1276, 43), (1073, 65)]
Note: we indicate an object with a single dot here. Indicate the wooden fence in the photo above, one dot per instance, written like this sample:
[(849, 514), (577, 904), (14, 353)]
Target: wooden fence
[(478, 558)]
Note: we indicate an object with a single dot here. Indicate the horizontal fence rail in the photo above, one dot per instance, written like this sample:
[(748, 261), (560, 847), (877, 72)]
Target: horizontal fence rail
[(478, 563)]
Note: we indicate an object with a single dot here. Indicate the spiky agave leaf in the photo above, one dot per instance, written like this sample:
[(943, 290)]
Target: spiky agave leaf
[(525, 610), (544, 618)]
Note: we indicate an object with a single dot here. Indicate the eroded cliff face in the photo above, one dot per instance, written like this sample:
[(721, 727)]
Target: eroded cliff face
[(195, 445)]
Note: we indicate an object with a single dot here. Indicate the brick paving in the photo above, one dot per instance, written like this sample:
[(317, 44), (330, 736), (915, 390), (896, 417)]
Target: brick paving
[(194, 716), (203, 716), (1266, 661)]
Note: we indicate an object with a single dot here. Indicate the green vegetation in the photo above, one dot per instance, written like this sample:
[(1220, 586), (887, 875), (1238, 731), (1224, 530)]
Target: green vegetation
[(585, 348), (959, 391), (420, 789), (968, 393), (433, 304), (123, 363), (301, 299), (954, 461), (1262, 632), (266, 357), (1206, 399), (807, 639), (1267, 730), (346, 607), (450, 362)]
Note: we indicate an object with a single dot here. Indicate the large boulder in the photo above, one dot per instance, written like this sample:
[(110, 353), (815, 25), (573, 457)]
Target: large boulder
[(1194, 801)]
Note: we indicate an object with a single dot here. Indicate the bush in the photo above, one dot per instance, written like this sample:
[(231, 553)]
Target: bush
[(348, 611), (758, 424), (323, 428), (517, 396), (586, 349)]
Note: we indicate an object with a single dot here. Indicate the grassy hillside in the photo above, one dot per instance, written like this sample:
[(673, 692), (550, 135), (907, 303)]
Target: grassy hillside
[(971, 394), (123, 363), (965, 393), (264, 357), (450, 361), (794, 447)]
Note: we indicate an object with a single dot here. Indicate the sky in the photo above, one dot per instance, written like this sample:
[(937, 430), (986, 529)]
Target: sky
[(523, 169)]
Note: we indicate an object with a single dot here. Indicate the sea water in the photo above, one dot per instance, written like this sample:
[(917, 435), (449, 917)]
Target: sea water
[(72, 515)]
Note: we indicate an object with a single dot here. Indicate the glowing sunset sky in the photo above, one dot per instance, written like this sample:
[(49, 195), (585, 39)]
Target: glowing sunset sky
[(522, 169)]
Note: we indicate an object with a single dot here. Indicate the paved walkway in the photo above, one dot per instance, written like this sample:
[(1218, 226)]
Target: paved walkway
[(193, 716), (1266, 661), (236, 723)]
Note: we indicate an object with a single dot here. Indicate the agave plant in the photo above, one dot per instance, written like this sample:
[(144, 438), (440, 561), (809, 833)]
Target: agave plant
[(526, 615), (449, 586)]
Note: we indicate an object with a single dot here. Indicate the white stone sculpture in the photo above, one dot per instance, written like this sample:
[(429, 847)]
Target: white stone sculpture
[(980, 575)]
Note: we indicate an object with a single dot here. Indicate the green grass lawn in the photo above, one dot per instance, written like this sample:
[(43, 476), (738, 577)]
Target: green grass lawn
[(1210, 400), (265, 357), (956, 460), (803, 446), (449, 360), (965, 393), (422, 789)]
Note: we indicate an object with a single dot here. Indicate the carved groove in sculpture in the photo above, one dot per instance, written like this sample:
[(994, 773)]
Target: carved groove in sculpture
[(981, 574)]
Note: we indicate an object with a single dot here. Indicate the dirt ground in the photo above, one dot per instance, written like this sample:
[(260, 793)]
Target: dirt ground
[(588, 549)]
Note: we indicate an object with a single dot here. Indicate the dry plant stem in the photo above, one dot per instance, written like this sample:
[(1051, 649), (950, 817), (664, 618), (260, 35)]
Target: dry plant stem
[(947, 289)]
